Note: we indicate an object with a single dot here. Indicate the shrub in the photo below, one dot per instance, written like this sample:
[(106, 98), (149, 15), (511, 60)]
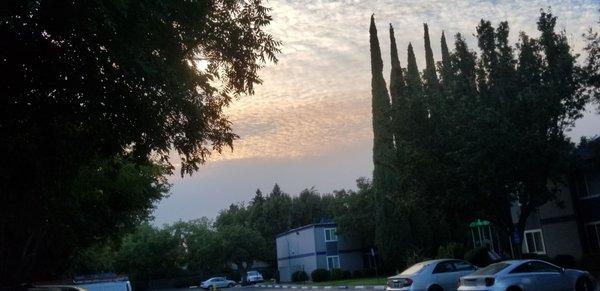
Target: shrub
[(452, 250), (590, 262), (320, 275), (565, 261), (478, 257), (299, 276), (347, 275), (185, 282), (357, 274), (337, 274), (369, 272)]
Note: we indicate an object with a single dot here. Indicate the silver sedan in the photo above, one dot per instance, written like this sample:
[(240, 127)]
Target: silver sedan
[(219, 282), (434, 275), (526, 275)]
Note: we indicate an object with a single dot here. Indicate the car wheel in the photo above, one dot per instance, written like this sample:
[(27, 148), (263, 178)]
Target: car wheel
[(513, 288), (583, 284), (435, 288), (230, 285)]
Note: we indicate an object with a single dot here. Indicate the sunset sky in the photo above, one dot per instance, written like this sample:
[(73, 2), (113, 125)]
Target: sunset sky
[(309, 123)]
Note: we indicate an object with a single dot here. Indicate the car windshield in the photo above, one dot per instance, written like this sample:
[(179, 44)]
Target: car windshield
[(253, 273), (491, 269), (414, 269)]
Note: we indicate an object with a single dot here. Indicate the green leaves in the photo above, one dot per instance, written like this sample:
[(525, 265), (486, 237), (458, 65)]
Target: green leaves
[(111, 86), (490, 135)]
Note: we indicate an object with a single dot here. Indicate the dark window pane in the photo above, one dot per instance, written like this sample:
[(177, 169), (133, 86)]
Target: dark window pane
[(542, 267), (530, 243), (593, 182), (539, 243), (524, 268), (463, 266), (491, 269), (443, 267)]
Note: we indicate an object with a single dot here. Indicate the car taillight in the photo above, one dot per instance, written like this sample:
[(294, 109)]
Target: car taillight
[(489, 281)]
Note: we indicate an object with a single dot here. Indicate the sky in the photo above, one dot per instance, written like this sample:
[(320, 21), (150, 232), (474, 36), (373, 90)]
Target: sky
[(309, 123)]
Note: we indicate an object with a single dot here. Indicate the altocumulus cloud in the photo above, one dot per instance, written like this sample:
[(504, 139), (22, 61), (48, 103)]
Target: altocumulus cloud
[(317, 99), (310, 121)]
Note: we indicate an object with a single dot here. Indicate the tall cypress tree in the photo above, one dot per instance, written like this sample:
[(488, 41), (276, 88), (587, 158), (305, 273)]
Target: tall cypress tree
[(414, 92), (430, 84), (446, 70), (383, 149), (397, 90)]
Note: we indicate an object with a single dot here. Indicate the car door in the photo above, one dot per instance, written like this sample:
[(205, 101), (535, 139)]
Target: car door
[(445, 275), (550, 277), (218, 282)]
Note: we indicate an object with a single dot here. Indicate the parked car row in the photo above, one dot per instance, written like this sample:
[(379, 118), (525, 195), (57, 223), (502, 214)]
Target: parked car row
[(222, 282), (513, 275)]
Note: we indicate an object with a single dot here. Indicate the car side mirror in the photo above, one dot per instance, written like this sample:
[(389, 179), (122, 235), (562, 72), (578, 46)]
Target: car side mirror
[(562, 270)]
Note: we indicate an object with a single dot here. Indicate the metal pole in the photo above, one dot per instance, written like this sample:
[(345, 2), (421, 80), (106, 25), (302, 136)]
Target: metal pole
[(512, 252), (491, 238)]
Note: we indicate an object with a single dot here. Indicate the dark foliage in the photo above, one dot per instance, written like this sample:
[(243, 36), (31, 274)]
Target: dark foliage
[(299, 276), (478, 257), (337, 274), (98, 91), (473, 137), (320, 275)]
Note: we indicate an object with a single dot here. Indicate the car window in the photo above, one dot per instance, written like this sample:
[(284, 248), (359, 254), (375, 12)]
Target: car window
[(492, 269), (252, 273), (414, 269), (523, 268), (444, 267), (463, 266), (542, 267)]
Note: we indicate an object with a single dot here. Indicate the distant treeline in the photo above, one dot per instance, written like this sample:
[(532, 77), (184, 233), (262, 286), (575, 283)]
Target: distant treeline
[(240, 235)]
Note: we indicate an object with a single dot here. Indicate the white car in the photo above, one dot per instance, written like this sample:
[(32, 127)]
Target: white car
[(434, 275), (525, 275), (219, 282), (254, 277)]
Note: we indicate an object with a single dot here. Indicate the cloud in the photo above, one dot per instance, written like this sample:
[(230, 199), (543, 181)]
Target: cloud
[(317, 99), (309, 123)]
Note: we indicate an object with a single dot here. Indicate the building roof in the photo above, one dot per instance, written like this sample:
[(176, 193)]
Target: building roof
[(323, 223)]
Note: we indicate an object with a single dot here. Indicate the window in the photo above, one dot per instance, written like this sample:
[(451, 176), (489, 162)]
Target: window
[(414, 269), (443, 267), (333, 262), (491, 269), (330, 234), (463, 266), (535, 267), (593, 234), (534, 242), (588, 184)]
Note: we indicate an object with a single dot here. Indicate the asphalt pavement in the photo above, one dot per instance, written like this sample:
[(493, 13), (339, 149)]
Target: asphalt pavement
[(253, 288)]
